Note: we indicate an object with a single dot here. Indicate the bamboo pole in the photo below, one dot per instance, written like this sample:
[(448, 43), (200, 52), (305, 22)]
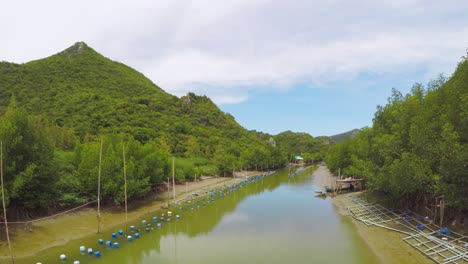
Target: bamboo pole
[(173, 179), (3, 201), (125, 185), (99, 191)]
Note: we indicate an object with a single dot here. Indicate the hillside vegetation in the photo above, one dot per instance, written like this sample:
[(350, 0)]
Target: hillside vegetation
[(55, 111), (417, 146)]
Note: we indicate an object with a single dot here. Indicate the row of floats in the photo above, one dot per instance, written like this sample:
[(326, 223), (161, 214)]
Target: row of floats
[(147, 227)]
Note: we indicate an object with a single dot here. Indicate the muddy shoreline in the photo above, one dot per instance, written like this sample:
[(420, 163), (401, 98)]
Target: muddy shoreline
[(57, 231)]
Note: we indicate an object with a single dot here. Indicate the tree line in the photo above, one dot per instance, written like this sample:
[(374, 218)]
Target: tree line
[(417, 146)]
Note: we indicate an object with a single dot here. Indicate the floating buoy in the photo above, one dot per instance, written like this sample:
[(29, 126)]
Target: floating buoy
[(90, 251), (120, 232), (63, 257), (159, 225), (155, 219), (100, 241), (76, 262), (177, 217), (82, 249), (116, 245), (181, 208), (108, 243), (445, 231), (137, 235), (132, 228), (143, 222), (129, 238), (114, 235), (407, 218), (420, 226), (97, 254), (169, 213)]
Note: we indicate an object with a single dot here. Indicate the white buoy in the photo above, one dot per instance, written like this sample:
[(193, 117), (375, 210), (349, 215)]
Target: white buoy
[(63, 257), (169, 213), (90, 251), (82, 249), (76, 262)]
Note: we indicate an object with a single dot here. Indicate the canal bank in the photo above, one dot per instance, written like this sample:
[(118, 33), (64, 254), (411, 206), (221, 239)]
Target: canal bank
[(386, 245)]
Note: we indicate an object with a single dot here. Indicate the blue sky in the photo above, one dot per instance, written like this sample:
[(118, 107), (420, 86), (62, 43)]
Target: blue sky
[(319, 67)]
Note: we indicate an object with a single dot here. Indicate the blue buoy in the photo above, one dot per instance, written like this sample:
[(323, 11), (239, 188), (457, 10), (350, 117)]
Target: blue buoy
[(129, 238), (445, 231), (63, 257), (116, 245), (420, 226), (407, 218), (108, 243), (114, 235), (181, 208), (143, 222), (177, 217), (100, 241), (120, 232), (97, 254), (137, 235), (132, 228), (90, 251), (82, 249), (155, 219)]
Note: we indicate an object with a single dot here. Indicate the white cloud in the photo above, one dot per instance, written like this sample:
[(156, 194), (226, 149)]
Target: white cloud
[(224, 49)]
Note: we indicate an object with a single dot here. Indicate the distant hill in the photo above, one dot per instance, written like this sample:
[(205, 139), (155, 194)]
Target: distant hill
[(341, 137)]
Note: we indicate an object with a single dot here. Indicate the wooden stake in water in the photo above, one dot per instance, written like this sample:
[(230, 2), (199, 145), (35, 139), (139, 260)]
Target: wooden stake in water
[(173, 179), (99, 191), (3, 201), (125, 184)]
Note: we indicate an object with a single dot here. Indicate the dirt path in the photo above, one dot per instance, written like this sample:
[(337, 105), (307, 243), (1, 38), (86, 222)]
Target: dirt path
[(83, 222), (386, 245)]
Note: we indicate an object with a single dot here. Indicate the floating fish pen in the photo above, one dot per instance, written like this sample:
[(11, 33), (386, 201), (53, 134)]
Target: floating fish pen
[(439, 244)]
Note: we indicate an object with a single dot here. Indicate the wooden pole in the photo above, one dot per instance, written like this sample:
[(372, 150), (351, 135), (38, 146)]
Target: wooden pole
[(125, 184), (3, 201), (99, 191), (173, 179)]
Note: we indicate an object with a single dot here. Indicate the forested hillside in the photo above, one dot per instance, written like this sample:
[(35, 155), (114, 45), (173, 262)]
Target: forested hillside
[(417, 145), (55, 111)]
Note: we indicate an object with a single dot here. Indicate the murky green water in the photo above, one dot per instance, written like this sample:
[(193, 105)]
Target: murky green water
[(274, 220)]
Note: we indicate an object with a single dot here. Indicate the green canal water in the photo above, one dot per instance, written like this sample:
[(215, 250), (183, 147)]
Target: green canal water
[(276, 219)]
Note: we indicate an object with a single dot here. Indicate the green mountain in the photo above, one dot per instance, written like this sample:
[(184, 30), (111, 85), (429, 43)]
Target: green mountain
[(54, 111), (349, 134), (81, 90)]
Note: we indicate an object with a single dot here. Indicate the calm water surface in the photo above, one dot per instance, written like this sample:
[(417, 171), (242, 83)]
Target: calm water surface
[(274, 220)]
